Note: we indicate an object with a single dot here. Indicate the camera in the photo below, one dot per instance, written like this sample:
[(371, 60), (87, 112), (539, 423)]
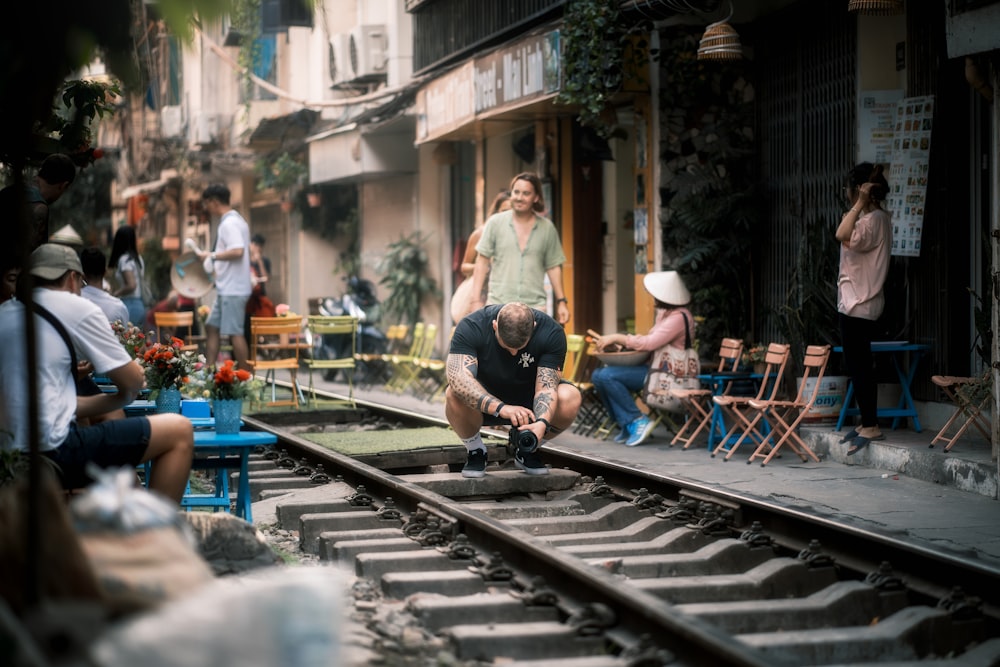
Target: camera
[(526, 441)]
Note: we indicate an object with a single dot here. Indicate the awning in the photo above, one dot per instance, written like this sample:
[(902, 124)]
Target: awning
[(283, 132), (143, 188)]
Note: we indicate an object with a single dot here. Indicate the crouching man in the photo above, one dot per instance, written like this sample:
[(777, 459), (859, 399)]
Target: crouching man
[(504, 367)]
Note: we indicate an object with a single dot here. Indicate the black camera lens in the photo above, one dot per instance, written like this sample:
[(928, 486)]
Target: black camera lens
[(526, 441)]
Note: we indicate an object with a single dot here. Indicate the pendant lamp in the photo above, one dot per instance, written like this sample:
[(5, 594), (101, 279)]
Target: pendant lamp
[(720, 42), (875, 7)]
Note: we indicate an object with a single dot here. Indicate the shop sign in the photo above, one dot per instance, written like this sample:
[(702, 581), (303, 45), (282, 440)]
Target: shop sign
[(445, 104), (520, 72)]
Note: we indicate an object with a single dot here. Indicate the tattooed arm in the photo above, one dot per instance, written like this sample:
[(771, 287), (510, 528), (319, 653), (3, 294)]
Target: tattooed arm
[(545, 393), (462, 371)]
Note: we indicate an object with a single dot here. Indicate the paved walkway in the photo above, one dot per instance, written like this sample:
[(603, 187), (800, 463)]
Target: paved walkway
[(899, 487)]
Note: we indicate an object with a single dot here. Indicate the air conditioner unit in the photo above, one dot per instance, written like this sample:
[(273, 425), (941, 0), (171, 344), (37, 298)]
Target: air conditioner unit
[(340, 59), (171, 122), (205, 128), (368, 44)]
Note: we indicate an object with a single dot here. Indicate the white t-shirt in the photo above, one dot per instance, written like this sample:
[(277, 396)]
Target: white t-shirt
[(232, 278), (112, 306), (94, 341), (126, 263)]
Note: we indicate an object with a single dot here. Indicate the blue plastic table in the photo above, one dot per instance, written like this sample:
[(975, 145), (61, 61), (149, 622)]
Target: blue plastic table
[(905, 358), (225, 452), (718, 382)]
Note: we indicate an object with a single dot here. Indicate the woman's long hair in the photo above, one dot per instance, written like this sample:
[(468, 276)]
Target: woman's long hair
[(124, 244)]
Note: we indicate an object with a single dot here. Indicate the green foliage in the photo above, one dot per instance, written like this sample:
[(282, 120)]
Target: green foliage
[(245, 17), (404, 271), (281, 173), (82, 103), (594, 38), (710, 195)]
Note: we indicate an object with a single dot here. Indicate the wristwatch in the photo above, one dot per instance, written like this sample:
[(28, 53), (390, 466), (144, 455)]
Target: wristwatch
[(563, 300)]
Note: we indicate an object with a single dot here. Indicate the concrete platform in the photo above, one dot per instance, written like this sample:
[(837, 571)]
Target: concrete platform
[(900, 486)]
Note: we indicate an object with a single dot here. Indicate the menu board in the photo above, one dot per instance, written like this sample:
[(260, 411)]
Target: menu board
[(876, 124), (911, 150)]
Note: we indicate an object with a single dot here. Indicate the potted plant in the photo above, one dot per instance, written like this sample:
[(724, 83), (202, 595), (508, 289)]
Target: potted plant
[(404, 270), (228, 388), (168, 369)]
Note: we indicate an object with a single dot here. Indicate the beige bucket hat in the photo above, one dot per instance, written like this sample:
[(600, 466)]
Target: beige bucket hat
[(667, 286)]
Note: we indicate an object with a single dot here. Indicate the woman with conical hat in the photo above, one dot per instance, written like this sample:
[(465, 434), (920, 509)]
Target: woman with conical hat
[(616, 385)]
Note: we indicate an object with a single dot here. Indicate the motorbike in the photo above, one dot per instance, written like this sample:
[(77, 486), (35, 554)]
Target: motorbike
[(359, 300)]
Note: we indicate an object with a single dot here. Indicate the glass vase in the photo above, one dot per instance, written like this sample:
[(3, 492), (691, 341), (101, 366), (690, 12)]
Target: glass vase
[(168, 400), (227, 415)]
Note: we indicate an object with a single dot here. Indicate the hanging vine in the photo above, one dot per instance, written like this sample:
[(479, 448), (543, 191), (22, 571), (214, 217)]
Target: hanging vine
[(246, 22), (594, 39)]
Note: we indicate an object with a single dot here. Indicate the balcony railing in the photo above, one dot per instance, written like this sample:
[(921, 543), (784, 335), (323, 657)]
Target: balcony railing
[(445, 31)]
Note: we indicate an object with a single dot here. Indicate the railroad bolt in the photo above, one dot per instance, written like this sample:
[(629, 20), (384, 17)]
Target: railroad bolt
[(537, 593), (360, 497), (814, 557), (459, 549), (756, 536), (884, 579), (320, 476), (600, 489), (592, 619), (494, 570), (389, 511), (962, 607)]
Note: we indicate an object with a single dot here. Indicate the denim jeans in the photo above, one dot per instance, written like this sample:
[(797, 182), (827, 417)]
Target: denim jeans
[(615, 385)]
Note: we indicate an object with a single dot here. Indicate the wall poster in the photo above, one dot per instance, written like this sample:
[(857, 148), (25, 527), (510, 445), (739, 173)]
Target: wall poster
[(911, 149)]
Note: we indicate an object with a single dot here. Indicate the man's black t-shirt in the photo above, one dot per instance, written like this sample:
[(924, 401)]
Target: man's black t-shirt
[(510, 378)]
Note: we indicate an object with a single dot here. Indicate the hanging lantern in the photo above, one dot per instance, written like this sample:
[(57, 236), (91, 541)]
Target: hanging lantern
[(876, 7), (720, 43)]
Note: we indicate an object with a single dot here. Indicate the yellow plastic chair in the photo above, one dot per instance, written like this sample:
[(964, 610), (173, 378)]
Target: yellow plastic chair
[(406, 366), (167, 325), (338, 325)]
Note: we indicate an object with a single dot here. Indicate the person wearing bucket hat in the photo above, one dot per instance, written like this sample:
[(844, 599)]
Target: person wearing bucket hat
[(71, 331), (616, 385)]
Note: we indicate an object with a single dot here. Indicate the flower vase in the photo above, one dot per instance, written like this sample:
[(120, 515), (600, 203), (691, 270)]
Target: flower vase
[(168, 400), (227, 415)]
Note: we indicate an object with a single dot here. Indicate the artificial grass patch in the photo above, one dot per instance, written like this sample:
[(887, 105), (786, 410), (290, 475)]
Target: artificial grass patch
[(362, 442)]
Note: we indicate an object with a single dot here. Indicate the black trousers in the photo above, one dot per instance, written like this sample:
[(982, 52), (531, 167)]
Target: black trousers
[(856, 335)]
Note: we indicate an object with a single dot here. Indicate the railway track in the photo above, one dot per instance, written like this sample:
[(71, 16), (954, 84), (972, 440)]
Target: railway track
[(599, 564)]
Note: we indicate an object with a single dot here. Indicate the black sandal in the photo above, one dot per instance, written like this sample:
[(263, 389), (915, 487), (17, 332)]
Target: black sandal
[(857, 444), (850, 436)]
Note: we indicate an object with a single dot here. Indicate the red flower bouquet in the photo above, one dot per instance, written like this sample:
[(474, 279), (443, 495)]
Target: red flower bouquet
[(167, 366), (230, 382)]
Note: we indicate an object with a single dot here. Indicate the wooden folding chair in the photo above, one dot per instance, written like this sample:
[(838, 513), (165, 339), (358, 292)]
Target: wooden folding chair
[(338, 325), (737, 408), (698, 402), (275, 345), (784, 417), (970, 395), (168, 324), (593, 418)]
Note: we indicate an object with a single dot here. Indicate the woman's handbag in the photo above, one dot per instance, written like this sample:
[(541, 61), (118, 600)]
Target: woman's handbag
[(672, 368)]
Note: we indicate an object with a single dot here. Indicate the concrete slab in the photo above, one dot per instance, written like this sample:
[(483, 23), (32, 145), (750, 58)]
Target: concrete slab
[(501, 482)]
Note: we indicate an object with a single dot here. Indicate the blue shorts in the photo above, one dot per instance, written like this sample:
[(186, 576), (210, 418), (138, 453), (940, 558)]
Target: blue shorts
[(228, 314), (525, 399), (109, 444)]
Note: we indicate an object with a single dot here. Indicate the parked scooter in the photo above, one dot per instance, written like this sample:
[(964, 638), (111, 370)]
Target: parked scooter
[(358, 301)]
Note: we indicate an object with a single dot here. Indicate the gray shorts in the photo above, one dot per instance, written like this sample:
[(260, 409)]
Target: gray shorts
[(228, 314)]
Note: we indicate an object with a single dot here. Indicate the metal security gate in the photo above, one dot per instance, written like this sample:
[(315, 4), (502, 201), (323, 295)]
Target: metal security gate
[(806, 67)]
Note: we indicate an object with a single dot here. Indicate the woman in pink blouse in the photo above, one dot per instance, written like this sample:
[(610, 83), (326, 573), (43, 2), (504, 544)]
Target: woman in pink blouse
[(865, 236), (616, 385)]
